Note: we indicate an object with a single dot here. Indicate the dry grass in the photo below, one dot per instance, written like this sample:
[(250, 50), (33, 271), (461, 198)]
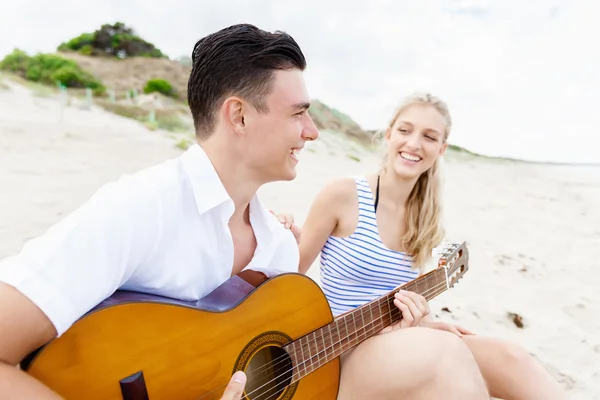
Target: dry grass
[(133, 73), (173, 119), (38, 89)]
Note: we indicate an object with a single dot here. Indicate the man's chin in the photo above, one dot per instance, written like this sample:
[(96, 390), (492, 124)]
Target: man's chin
[(288, 175), (282, 176)]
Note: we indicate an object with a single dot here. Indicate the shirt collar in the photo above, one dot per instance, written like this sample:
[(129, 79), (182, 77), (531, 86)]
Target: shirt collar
[(209, 192), (208, 189)]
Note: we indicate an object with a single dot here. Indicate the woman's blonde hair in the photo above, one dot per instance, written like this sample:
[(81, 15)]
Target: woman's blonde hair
[(424, 229)]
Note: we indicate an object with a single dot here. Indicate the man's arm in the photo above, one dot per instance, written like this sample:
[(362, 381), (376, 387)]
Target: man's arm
[(61, 275), (23, 328)]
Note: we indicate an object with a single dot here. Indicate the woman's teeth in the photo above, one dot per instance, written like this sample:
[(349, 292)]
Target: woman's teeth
[(409, 157)]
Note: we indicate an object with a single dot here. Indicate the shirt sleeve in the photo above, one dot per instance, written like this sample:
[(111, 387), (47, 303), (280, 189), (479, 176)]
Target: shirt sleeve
[(84, 258)]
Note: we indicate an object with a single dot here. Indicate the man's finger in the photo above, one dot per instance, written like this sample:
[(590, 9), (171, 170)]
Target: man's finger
[(235, 388)]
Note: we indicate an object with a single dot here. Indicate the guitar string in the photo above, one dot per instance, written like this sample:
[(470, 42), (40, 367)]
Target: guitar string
[(429, 277), (436, 289), (378, 326), (283, 382), (375, 303)]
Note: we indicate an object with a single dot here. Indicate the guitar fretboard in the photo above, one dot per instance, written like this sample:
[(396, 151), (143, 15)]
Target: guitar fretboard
[(332, 340)]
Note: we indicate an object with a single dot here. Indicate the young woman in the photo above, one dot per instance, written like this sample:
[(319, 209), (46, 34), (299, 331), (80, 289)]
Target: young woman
[(377, 232)]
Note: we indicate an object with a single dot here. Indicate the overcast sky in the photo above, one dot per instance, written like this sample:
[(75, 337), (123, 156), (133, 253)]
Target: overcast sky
[(521, 77)]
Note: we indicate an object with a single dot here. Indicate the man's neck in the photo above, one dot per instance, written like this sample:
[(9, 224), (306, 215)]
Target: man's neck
[(236, 178)]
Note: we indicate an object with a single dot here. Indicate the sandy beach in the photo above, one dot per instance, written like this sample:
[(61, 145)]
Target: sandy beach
[(533, 230)]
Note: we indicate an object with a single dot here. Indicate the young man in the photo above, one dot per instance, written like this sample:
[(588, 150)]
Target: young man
[(182, 228)]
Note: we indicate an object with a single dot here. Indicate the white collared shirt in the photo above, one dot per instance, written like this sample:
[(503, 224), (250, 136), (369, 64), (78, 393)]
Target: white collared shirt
[(163, 230)]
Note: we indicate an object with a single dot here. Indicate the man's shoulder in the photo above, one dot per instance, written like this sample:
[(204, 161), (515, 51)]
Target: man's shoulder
[(148, 184), (158, 177)]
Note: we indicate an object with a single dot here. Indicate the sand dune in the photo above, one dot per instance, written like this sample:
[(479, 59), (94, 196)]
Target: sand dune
[(533, 230)]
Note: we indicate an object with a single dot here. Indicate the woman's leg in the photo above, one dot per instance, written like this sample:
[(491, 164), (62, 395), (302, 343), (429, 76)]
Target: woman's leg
[(411, 363), (511, 372)]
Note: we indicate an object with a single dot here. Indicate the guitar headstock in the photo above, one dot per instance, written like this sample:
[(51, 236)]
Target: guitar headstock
[(455, 259)]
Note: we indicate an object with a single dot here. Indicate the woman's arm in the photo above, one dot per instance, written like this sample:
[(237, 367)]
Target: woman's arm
[(335, 203), (327, 212)]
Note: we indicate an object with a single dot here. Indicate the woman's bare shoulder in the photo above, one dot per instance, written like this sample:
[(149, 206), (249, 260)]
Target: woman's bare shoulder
[(340, 188)]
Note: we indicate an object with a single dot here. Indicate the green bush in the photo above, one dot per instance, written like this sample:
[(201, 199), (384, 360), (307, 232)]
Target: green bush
[(50, 69), (86, 39), (159, 85), (15, 62), (116, 40), (86, 50)]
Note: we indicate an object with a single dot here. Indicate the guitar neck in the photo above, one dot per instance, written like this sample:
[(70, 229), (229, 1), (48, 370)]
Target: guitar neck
[(348, 330)]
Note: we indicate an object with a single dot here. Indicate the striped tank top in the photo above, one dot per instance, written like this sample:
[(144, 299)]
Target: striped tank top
[(359, 268)]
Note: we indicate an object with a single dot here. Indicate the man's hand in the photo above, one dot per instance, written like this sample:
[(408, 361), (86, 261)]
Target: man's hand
[(235, 388), (288, 222), (444, 326)]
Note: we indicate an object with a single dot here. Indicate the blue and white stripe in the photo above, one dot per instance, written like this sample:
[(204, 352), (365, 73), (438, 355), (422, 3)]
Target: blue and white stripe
[(359, 268)]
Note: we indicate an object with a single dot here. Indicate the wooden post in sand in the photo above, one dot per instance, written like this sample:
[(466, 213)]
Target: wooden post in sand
[(88, 96), (62, 99)]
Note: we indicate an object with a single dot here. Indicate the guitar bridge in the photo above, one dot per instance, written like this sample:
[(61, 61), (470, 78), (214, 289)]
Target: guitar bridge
[(134, 387)]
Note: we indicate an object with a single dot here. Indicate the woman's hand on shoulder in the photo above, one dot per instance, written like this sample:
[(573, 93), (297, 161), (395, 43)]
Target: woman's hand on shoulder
[(330, 205), (287, 220)]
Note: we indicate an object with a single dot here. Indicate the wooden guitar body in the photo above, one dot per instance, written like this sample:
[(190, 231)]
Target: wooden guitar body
[(134, 346)]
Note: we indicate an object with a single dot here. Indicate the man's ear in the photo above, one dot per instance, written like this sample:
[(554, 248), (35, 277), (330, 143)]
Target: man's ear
[(233, 112)]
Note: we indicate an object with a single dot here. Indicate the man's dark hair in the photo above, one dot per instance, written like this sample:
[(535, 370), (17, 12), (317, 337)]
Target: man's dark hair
[(238, 60)]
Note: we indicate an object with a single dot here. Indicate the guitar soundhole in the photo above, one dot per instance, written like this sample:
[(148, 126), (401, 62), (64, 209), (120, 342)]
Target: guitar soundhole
[(269, 373)]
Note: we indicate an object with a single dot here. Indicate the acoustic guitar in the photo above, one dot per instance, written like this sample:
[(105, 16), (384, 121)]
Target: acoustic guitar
[(281, 332)]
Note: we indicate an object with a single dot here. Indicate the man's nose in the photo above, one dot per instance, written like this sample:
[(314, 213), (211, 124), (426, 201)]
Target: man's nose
[(310, 131)]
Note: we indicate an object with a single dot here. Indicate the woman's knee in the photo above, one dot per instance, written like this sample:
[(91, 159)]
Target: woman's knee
[(448, 347), (432, 349), (513, 354), (398, 360), (406, 360)]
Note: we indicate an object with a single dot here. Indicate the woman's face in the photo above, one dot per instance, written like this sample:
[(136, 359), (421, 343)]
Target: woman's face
[(416, 140)]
